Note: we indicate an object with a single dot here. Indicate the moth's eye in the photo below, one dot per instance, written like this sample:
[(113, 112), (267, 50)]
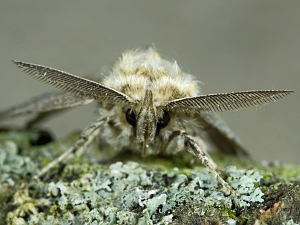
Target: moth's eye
[(163, 121), (130, 117)]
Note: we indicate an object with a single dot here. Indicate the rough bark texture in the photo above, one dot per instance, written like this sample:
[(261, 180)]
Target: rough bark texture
[(105, 187)]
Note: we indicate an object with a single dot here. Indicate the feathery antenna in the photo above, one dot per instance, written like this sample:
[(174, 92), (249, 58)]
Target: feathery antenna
[(67, 82), (227, 102)]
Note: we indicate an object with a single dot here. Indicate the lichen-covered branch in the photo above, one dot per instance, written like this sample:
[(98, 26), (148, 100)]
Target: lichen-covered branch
[(103, 187)]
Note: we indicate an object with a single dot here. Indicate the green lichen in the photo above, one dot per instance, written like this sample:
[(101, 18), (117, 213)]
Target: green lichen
[(158, 190)]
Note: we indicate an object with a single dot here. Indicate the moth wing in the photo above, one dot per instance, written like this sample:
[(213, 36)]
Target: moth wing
[(220, 136), (43, 106)]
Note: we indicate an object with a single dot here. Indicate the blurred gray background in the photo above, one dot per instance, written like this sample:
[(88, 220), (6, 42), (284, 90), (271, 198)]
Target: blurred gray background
[(230, 45)]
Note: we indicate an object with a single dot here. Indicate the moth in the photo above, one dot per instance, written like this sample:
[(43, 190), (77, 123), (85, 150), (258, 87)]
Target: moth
[(148, 104)]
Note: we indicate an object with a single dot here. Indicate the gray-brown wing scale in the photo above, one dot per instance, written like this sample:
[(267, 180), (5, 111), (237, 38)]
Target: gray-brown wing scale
[(220, 135), (44, 103), (43, 106)]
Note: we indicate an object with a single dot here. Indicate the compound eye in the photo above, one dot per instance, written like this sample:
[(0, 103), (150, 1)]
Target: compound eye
[(130, 117), (163, 121)]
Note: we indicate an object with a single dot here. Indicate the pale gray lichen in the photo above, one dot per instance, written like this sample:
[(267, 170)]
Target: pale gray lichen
[(231, 222), (148, 192), (244, 183), (291, 222), (12, 165), (128, 194)]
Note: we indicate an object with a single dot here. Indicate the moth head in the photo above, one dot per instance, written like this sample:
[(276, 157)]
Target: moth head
[(146, 120)]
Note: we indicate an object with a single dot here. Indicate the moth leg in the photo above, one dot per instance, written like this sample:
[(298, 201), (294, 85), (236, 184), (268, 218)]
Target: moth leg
[(83, 141), (206, 160)]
